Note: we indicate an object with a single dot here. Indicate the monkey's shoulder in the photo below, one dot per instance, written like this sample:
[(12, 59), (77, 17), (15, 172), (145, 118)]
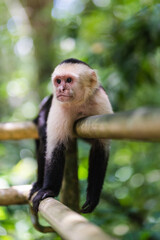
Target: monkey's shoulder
[(99, 103)]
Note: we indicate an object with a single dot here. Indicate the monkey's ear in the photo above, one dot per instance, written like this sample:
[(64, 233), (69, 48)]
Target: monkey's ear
[(93, 79)]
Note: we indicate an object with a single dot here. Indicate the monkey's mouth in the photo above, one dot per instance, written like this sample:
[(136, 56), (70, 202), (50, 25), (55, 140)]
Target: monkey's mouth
[(64, 98)]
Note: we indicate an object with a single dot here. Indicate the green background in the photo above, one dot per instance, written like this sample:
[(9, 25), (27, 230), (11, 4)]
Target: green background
[(121, 39)]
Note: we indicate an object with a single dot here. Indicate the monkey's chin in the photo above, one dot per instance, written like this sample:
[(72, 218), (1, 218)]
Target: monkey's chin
[(64, 98)]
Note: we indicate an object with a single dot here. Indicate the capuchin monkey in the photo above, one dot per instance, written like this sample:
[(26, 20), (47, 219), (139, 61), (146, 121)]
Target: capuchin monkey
[(77, 93)]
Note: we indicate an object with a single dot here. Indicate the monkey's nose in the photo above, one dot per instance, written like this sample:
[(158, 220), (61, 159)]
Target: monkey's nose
[(62, 89)]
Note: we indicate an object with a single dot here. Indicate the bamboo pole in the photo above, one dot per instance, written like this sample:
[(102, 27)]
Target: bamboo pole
[(14, 195), (67, 223), (18, 130), (139, 124)]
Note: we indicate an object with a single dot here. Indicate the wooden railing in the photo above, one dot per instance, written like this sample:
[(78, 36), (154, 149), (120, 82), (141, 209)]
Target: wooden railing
[(67, 223), (139, 124)]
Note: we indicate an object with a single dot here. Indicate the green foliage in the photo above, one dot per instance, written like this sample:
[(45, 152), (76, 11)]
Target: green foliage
[(122, 40)]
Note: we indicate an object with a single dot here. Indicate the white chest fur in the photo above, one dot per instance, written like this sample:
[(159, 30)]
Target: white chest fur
[(59, 126)]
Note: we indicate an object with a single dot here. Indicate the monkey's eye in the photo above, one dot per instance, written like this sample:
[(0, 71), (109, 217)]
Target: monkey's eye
[(58, 81), (69, 80)]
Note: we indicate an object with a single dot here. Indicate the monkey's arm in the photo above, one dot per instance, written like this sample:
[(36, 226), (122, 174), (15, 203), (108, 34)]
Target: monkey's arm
[(53, 175), (98, 161), (99, 155)]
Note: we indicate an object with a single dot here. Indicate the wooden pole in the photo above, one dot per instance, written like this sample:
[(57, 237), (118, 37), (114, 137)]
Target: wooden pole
[(18, 130), (67, 223), (14, 195), (139, 124)]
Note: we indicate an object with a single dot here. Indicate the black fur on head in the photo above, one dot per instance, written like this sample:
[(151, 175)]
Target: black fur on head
[(74, 61)]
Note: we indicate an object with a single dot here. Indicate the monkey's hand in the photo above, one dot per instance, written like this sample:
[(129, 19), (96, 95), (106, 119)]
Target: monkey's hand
[(89, 205), (42, 194), (35, 188)]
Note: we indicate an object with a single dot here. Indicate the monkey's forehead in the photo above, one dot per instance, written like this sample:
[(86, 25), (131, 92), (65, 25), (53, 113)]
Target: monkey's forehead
[(74, 69)]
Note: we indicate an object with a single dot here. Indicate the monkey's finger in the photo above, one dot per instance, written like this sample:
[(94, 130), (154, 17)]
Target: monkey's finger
[(48, 193), (35, 188), (36, 205), (36, 200), (88, 209), (85, 204), (30, 196), (32, 193)]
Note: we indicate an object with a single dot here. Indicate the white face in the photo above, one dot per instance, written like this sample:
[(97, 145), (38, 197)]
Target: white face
[(73, 82)]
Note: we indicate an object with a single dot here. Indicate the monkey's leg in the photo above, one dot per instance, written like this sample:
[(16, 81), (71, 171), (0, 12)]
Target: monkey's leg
[(41, 151), (98, 160), (53, 175)]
